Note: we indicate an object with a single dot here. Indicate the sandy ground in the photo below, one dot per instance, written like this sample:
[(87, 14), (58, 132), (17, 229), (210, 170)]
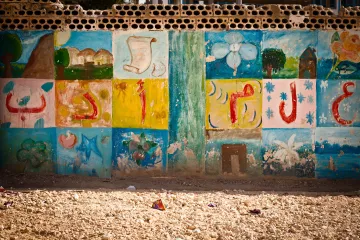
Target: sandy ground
[(114, 213)]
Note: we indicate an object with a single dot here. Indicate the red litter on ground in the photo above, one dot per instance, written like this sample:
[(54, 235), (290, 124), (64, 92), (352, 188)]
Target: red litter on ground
[(158, 205)]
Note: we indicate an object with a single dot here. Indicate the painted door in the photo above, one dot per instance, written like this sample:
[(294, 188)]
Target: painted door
[(234, 158)]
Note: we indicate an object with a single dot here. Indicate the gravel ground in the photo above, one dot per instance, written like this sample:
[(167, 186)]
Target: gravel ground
[(122, 214)]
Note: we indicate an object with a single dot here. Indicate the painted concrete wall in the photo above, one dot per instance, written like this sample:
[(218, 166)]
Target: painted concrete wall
[(125, 102)]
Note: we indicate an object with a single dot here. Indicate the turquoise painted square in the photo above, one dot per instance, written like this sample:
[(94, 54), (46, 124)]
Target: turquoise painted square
[(288, 152), (332, 101), (136, 149), (28, 150), (337, 153), (233, 54), (84, 151)]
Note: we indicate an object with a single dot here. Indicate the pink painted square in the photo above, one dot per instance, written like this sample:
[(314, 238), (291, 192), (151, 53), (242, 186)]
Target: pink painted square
[(27, 103), (289, 103)]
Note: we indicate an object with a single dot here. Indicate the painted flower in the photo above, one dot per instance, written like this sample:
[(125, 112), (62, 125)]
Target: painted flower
[(323, 119), (234, 50), (347, 47), (288, 151)]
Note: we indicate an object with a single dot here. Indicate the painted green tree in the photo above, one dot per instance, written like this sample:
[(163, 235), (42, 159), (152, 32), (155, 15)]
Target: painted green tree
[(62, 60), (10, 51), (273, 60)]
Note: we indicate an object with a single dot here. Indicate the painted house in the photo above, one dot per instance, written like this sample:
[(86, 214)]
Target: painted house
[(86, 56), (103, 57), (73, 54), (307, 64)]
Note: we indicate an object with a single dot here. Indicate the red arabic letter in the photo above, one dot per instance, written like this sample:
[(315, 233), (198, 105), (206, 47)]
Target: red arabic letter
[(292, 116), (26, 109), (142, 96), (247, 92), (336, 103), (95, 110)]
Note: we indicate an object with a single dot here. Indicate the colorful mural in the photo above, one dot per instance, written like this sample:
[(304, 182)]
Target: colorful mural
[(139, 149), (187, 101), (289, 152), (83, 55), (338, 54), (338, 152), (233, 54), (214, 155), (27, 103), (232, 104), (238, 103), (27, 54), (83, 103), (289, 103), (338, 103), (289, 54), (142, 103), (28, 150), (140, 54), (85, 151)]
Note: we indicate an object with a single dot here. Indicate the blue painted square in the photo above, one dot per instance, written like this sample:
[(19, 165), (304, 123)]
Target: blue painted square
[(233, 54), (213, 154), (136, 149), (338, 55), (28, 150), (334, 107), (337, 152), (84, 151), (288, 152)]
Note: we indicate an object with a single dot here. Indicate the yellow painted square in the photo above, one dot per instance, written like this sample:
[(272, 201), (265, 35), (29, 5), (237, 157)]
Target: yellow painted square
[(127, 104), (248, 109)]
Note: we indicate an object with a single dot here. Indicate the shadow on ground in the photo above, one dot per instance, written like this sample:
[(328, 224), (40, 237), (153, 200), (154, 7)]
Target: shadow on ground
[(178, 183)]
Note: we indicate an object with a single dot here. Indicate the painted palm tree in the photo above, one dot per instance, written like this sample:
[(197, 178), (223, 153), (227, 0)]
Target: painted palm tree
[(288, 151)]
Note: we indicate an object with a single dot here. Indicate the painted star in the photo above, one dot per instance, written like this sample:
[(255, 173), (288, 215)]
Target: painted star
[(301, 97), (324, 85), (310, 118), (308, 85), (310, 99), (269, 87), (269, 98), (323, 119), (269, 113), (283, 96), (88, 145)]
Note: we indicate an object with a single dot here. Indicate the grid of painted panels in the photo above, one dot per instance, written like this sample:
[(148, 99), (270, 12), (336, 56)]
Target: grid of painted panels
[(101, 102)]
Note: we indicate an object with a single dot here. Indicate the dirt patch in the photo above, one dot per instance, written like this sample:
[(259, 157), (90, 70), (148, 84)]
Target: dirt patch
[(128, 215)]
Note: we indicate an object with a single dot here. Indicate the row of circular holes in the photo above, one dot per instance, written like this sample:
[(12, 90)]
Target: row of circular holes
[(9, 23), (310, 22)]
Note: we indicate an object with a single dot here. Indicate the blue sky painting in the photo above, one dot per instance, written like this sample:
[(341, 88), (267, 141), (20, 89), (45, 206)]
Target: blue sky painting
[(95, 40), (338, 152), (233, 54)]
